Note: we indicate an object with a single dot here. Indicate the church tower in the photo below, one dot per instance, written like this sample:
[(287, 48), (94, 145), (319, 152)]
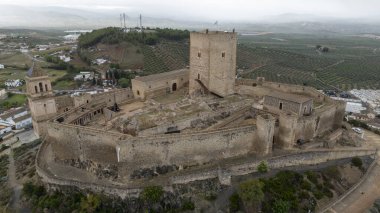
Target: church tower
[(40, 97)]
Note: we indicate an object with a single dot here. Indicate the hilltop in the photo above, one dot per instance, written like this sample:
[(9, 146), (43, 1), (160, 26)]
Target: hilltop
[(349, 62)]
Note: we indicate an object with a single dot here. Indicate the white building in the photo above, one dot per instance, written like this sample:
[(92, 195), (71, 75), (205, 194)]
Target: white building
[(371, 97), (18, 118), (100, 61), (354, 107), (13, 83), (23, 121), (2, 66), (83, 76), (5, 127), (64, 58), (3, 93)]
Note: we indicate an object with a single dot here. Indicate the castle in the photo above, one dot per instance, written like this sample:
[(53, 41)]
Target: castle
[(179, 119)]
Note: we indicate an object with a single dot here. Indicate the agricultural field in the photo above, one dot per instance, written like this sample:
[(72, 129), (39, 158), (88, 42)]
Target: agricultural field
[(127, 55), (352, 62)]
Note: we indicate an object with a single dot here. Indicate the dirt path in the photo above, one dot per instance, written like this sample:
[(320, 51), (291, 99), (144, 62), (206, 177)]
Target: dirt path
[(14, 203), (363, 197)]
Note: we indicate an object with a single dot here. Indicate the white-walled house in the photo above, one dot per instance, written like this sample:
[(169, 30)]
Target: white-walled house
[(2, 66), (18, 118), (83, 76), (23, 121), (14, 83), (5, 127)]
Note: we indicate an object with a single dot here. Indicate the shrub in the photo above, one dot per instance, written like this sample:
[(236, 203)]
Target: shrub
[(306, 185), (332, 172), (304, 195), (356, 161), (234, 202), (327, 192), (188, 205), (124, 83), (263, 167), (251, 190), (312, 176), (152, 194), (318, 194), (280, 206)]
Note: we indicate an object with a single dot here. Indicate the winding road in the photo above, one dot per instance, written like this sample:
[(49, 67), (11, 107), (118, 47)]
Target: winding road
[(363, 197)]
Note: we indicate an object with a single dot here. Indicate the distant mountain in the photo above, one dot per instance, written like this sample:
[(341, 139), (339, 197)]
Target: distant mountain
[(72, 18)]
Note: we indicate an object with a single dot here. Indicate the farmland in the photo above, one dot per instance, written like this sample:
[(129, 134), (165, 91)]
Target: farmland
[(351, 62)]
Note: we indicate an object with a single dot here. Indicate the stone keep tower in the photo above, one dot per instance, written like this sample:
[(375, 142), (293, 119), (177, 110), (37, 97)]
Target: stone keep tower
[(212, 62), (40, 97)]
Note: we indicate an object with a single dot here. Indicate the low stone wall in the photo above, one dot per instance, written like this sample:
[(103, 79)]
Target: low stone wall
[(297, 159), (287, 88)]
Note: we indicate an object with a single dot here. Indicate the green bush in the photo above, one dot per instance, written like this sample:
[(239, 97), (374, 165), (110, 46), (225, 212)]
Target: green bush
[(280, 206), (188, 205), (262, 167), (124, 83), (234, 202), (152, 194), (356, 161), (332, 172), (327, 192), (306, 185), (304, 195), (251, 191), (312, 176), (318, 194)]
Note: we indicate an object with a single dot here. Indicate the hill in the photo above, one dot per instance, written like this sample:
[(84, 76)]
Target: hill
[(350, 62)]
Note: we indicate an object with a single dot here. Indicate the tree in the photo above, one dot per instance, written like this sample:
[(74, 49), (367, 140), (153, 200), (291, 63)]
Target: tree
[(356, 161), (124, 83), (325, 49), (263, 167), (251, 192), (318, 47)]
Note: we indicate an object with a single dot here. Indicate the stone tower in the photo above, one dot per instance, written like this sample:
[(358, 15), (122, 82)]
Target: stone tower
[(40, 97), (212, 62)]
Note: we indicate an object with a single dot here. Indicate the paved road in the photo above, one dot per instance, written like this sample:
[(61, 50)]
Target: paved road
[(363, 197)]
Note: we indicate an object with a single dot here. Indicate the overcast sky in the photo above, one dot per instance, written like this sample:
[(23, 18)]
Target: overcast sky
[(231, 10)]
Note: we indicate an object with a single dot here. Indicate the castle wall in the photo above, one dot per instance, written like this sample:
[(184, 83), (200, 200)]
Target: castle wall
[(64, 103), (314, 157), (77, 142), (273, 104), (119, 96), (189, 149), (264, 88), (327, 117)]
